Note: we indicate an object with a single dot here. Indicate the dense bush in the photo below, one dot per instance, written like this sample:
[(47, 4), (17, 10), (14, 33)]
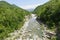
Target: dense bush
[(11, 18)]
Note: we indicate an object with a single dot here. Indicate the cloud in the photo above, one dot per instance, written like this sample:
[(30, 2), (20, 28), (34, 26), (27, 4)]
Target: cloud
[(29, 6)]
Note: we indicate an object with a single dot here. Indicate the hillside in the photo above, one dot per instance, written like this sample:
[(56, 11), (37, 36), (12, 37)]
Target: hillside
[(49, 14), (11, 18)]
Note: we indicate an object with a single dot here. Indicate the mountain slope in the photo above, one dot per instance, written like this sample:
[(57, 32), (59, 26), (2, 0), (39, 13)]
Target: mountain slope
[(49, 13), (11, 18)]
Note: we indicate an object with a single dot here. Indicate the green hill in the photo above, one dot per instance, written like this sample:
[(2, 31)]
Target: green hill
[(11, 18), (49, 13)]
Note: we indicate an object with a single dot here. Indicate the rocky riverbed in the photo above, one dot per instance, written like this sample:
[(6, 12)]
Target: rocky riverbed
[(30, 30)]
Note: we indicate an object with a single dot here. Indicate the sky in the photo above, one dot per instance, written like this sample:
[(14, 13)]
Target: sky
[(27, 4)]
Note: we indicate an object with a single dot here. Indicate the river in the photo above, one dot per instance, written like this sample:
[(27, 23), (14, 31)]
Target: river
[(30, 31)]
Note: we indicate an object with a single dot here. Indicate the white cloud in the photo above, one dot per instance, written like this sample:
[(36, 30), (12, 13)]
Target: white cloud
[(29, 6)]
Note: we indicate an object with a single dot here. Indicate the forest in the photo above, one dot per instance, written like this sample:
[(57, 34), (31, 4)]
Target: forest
[(11, 18), (49, 14)]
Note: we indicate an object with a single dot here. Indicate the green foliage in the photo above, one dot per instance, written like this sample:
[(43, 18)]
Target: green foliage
[(11, 18), (49, 13)]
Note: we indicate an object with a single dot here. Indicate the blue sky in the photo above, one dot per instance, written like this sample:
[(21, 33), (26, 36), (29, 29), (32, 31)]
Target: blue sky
[(27, 4)]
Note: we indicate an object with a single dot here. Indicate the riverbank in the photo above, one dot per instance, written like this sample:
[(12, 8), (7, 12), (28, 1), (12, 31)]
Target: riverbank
[(18, 32), (30, 30)]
